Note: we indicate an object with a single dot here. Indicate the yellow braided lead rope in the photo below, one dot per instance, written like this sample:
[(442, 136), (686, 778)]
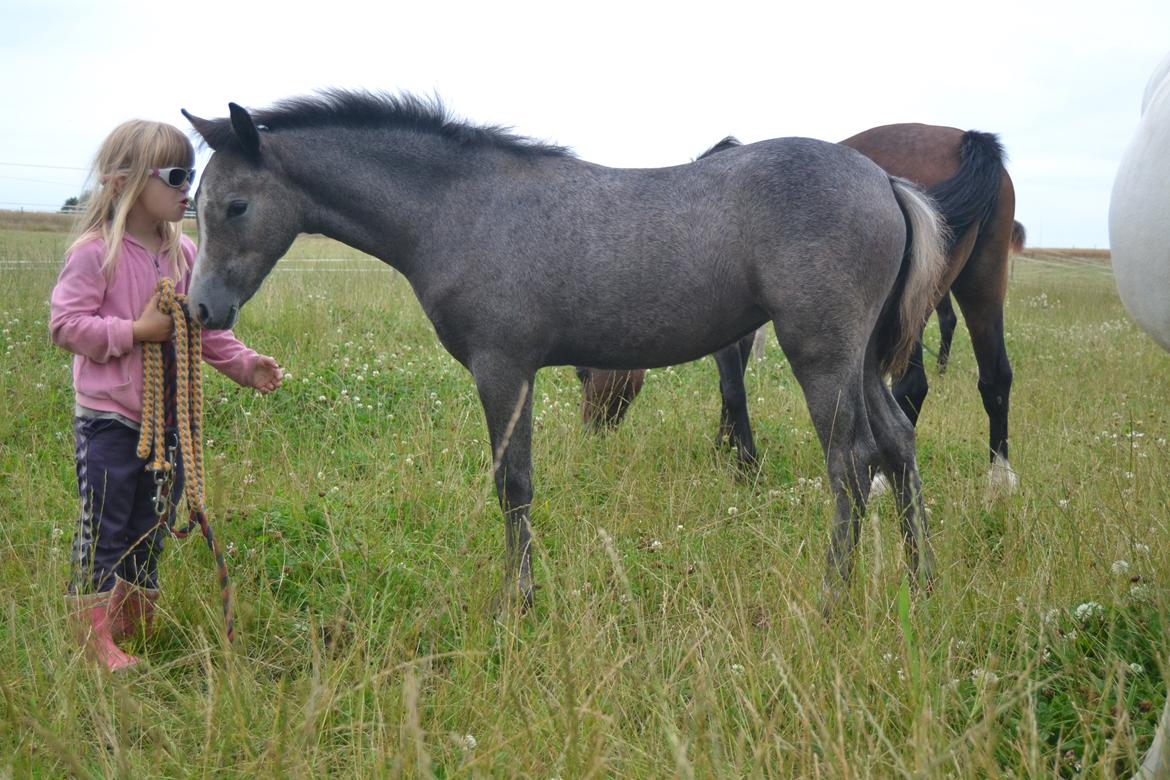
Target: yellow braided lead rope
[(189, 416)]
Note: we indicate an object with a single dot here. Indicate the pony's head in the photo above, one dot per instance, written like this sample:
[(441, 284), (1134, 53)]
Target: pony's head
[(249, 214)]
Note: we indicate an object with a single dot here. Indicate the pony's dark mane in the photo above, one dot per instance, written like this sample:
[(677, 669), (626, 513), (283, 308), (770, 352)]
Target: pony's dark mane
[(361, 109), (727, 143)]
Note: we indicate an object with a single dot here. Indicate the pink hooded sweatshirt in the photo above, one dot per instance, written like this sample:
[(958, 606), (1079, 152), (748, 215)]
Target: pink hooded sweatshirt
[(93, 317)]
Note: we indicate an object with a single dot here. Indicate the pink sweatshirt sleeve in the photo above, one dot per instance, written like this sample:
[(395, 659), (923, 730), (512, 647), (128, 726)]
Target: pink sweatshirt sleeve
[(228, 355), (74, 322)]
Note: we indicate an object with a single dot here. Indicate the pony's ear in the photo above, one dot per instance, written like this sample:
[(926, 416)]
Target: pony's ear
[(202, 126), (245, 130)]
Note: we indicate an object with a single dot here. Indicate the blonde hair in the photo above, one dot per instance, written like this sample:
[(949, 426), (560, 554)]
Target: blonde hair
[(132, 150)]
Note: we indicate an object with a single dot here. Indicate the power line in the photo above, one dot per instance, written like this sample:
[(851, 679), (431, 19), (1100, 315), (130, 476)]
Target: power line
[(36, 181), (34, 165)]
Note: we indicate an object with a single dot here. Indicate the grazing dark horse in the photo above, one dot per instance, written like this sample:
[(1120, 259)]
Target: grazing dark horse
[(524, 256), (964, 173), (948, 320)]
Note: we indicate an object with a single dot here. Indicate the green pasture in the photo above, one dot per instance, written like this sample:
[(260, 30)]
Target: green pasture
[(677, 630)]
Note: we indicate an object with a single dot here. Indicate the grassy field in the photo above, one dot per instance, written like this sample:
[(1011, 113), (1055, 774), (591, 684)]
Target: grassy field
[(677, 631)]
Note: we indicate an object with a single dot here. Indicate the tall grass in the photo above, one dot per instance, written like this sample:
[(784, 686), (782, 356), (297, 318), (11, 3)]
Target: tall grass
[(677, 630)]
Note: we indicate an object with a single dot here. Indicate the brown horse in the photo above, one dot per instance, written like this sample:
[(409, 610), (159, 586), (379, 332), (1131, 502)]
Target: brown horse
[(965, 174)]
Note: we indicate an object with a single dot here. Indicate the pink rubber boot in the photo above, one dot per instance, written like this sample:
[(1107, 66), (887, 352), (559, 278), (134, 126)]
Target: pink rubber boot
[(94, 618), (133, 610)]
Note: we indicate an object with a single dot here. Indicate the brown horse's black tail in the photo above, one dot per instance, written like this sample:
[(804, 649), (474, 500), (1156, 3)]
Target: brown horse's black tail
[(968, 198), (1019, 237)]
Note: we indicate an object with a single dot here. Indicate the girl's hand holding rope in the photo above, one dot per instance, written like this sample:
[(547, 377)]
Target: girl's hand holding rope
[(152, 325)]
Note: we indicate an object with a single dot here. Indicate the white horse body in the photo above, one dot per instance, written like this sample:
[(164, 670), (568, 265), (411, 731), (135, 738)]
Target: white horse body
[(1139, 241), (1139, 214)]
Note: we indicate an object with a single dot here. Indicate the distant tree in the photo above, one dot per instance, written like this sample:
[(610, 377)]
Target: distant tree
[(75, 203)]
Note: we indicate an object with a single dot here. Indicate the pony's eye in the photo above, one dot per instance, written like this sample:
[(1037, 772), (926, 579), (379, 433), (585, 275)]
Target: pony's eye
[(236, 208)]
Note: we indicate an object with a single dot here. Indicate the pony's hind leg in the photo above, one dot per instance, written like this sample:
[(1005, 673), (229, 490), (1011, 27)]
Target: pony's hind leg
[(895, 439), (506, 393), (836, 402)]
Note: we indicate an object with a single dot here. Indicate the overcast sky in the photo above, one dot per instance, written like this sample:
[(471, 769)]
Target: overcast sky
[(635, 84)]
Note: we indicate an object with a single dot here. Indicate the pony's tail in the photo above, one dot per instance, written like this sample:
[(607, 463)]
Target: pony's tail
[(916, 289)]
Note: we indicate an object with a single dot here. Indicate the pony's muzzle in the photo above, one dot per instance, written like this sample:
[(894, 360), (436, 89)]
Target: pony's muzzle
[(223, 322)]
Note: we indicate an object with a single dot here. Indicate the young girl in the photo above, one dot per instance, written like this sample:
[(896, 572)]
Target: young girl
[(104, 307)]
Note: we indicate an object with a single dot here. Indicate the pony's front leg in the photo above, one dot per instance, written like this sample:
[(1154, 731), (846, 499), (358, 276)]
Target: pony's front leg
[(506, 393)]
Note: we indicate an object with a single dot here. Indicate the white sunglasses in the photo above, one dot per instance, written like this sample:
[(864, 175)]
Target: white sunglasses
[(175, 177)]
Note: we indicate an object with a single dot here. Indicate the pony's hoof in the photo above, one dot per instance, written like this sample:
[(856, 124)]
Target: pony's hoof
[(1002, 480)]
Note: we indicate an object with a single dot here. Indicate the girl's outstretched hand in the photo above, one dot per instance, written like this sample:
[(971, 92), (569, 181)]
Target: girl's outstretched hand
[(267, 375)]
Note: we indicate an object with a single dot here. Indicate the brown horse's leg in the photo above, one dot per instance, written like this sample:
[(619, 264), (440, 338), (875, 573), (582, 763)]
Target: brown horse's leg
[(947, 322), (606, 395), (980, 291), (735, 427), (911, 388)]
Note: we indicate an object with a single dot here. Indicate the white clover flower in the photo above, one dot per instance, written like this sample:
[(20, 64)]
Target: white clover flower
[(409, 461), (1141, 549), (655, 545), (1119, 567), (678, 528), (737, 668), (888, 658), (731, 510), (1062, 503), (320, 398), (1089, 610), (469, 742), (1051, 617), (987, 678), (1137, 668), (1139, 592)]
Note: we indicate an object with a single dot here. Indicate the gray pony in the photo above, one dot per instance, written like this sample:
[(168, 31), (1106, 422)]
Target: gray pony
[(524, 256)]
